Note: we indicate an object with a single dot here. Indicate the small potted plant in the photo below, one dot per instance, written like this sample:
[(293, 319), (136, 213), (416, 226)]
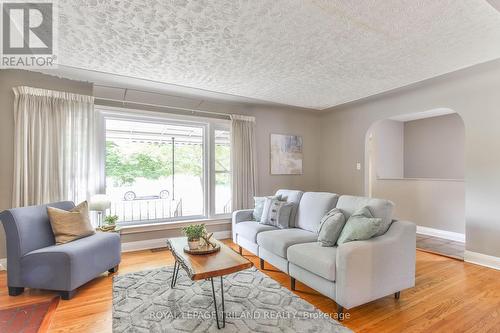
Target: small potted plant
[(111, 220), (193, 233), (109, 223)]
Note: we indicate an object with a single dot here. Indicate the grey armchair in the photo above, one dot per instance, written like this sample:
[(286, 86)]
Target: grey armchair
[(34, 261)]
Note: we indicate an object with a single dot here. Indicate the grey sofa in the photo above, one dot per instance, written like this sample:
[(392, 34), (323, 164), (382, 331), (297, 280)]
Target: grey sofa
[(351, 274), (34, 261)]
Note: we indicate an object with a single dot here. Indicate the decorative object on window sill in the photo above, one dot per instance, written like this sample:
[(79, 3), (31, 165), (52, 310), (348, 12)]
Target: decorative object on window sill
[(99, 203), (109, 228), (286, 154), (110, 224), (111, 220)]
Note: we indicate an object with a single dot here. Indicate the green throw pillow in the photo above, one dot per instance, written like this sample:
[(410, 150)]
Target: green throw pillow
[(259, 206), (330, 227), (360, 226)]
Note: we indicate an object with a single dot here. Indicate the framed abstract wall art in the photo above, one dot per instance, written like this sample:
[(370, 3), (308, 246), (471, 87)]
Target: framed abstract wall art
[(286, 154)]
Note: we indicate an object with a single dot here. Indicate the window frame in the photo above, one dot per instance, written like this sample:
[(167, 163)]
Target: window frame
[(213, 128), (209, 126)]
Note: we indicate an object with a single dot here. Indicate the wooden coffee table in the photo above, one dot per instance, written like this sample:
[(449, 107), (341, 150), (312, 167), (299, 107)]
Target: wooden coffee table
[(207, 266)]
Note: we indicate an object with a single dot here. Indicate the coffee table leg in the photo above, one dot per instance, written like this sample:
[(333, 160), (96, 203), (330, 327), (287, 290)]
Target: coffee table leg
[(215, 303), (175, 273), (222, 294)]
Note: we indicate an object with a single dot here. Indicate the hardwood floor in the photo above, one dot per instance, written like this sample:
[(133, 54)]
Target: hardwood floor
[(449, 296)]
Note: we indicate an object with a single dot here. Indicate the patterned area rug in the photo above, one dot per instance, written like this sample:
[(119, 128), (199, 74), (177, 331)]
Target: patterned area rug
[(31, 318), (144, 302)]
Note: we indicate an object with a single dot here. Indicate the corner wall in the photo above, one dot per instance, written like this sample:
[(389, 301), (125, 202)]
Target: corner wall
[(433, 200), (473, 93), (435, 147), (388, 149)]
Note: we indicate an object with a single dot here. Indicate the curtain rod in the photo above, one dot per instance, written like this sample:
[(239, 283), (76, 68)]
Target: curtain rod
[(98, 100)]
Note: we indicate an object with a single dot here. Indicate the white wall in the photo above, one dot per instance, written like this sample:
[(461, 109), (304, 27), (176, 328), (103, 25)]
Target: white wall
[(473, 93), (437, 204), (388, 138), (431, 203), (286, 122), (435, 148)]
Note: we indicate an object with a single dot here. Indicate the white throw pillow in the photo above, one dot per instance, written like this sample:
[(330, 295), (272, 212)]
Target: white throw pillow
[(277, 213), (259, 206)]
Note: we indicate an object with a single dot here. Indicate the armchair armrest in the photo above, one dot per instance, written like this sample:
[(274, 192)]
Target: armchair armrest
[(371, 269), (241, 216)]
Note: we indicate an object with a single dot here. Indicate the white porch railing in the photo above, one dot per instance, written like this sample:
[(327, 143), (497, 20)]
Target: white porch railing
[(132, 211)]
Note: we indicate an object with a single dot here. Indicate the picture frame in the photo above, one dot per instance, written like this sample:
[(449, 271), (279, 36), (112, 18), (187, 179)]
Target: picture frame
[(286, 154)]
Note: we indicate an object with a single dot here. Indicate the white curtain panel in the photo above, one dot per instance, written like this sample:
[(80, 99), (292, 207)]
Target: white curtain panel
[(55, 155), (243, 161)]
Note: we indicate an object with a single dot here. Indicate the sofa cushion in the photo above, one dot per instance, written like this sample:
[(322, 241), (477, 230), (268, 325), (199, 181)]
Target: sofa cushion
[(313, 206), (278, 241), (277, 213), (378, 207), (314, 258), (331, 227), (361, 225), (291, 196), (259, 206), (250, 229), (68, 266)]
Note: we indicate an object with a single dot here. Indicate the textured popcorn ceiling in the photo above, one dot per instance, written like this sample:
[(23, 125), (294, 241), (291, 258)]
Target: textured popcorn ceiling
[(313, 53)]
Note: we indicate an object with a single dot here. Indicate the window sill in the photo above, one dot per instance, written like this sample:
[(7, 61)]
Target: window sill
[(139, 228)]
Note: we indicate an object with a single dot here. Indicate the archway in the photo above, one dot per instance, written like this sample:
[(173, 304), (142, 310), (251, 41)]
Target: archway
[(418, 161)]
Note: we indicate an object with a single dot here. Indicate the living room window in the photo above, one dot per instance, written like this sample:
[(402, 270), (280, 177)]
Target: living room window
[(161, 169), (222, 171)]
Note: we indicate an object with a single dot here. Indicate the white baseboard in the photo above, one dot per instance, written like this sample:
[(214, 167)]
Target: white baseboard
[(482, 259), (454, 236), (143, 245), (3, 264), (223, 234), (161, 242)]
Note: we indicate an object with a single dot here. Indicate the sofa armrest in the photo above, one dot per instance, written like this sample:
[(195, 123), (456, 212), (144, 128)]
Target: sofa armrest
[(241, 216), (371, 269)]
